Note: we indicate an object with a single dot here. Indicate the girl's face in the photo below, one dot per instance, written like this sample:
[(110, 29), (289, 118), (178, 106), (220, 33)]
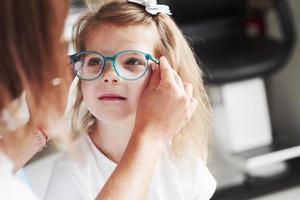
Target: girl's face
[(110, 98)]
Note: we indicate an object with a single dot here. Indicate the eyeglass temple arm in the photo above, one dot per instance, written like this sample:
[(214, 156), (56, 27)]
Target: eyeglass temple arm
[(155, 60)]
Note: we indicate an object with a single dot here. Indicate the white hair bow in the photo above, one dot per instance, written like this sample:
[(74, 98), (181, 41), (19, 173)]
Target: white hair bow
[(152, 7)]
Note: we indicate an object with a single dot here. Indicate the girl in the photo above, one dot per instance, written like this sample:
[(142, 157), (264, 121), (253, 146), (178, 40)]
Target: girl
[(117, 69)]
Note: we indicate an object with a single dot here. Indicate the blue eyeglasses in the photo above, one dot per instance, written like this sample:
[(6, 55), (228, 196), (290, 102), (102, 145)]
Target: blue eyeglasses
[(129, 65)]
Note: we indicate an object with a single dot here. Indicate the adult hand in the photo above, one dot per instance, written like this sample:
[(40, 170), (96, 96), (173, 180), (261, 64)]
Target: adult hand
[(166, 104)]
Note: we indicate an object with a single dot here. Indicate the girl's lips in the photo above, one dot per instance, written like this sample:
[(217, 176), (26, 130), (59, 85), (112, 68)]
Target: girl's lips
[(112, 97)]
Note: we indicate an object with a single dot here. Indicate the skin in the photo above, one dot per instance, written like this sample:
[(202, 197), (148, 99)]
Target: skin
[(116, 118), (156, 122), (154, 126), (141, 126)]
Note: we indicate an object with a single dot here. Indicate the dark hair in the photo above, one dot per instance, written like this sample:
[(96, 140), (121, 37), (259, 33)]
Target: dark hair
[(30, 50)]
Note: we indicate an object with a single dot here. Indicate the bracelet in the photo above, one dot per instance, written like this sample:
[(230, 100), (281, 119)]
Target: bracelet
[(42, 143)]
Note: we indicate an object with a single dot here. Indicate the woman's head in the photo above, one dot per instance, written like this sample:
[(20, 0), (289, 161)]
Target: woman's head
[(167, 40), (30, 47)]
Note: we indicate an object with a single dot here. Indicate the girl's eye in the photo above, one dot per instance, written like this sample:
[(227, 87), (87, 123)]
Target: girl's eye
[(79, 59), (134, 61), (94, 61)]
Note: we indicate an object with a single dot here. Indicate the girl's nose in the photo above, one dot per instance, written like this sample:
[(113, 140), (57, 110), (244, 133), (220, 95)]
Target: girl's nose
[(109, 75)]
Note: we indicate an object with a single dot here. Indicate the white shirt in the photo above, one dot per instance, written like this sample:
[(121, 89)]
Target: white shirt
[(72, 180), (10, 187)]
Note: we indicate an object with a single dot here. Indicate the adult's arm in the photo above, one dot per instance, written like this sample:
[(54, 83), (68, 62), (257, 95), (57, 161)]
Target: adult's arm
[(20, 146), (165, 107)]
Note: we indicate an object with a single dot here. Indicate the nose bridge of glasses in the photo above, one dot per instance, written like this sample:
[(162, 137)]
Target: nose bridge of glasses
[(109, 68)]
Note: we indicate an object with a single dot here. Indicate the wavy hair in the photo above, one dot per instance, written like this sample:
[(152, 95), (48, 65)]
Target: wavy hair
[(171, 44)]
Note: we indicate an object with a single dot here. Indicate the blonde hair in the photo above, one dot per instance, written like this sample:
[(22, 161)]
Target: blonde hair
[(171, 44)]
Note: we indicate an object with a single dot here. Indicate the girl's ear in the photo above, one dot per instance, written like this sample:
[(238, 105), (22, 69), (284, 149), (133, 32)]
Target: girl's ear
[(157, 55)]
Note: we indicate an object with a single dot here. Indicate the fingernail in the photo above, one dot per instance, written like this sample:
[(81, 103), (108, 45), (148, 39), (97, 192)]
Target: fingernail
[(153, 66)]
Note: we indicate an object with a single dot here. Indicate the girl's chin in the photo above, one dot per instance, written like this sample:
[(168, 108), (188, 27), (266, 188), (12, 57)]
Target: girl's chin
[(116, 118)]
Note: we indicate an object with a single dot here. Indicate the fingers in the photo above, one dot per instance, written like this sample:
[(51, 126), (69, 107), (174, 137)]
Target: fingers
[(155, 76), (168, 75), (166, 72)]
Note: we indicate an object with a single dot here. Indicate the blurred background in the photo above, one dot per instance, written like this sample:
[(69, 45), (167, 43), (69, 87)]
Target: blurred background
[(251, 58)]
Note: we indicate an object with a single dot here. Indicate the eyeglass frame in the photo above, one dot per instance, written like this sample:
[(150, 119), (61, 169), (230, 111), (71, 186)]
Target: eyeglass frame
[(113, 60)]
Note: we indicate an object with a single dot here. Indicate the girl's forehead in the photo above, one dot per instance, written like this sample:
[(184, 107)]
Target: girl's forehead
[(108, 37)]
